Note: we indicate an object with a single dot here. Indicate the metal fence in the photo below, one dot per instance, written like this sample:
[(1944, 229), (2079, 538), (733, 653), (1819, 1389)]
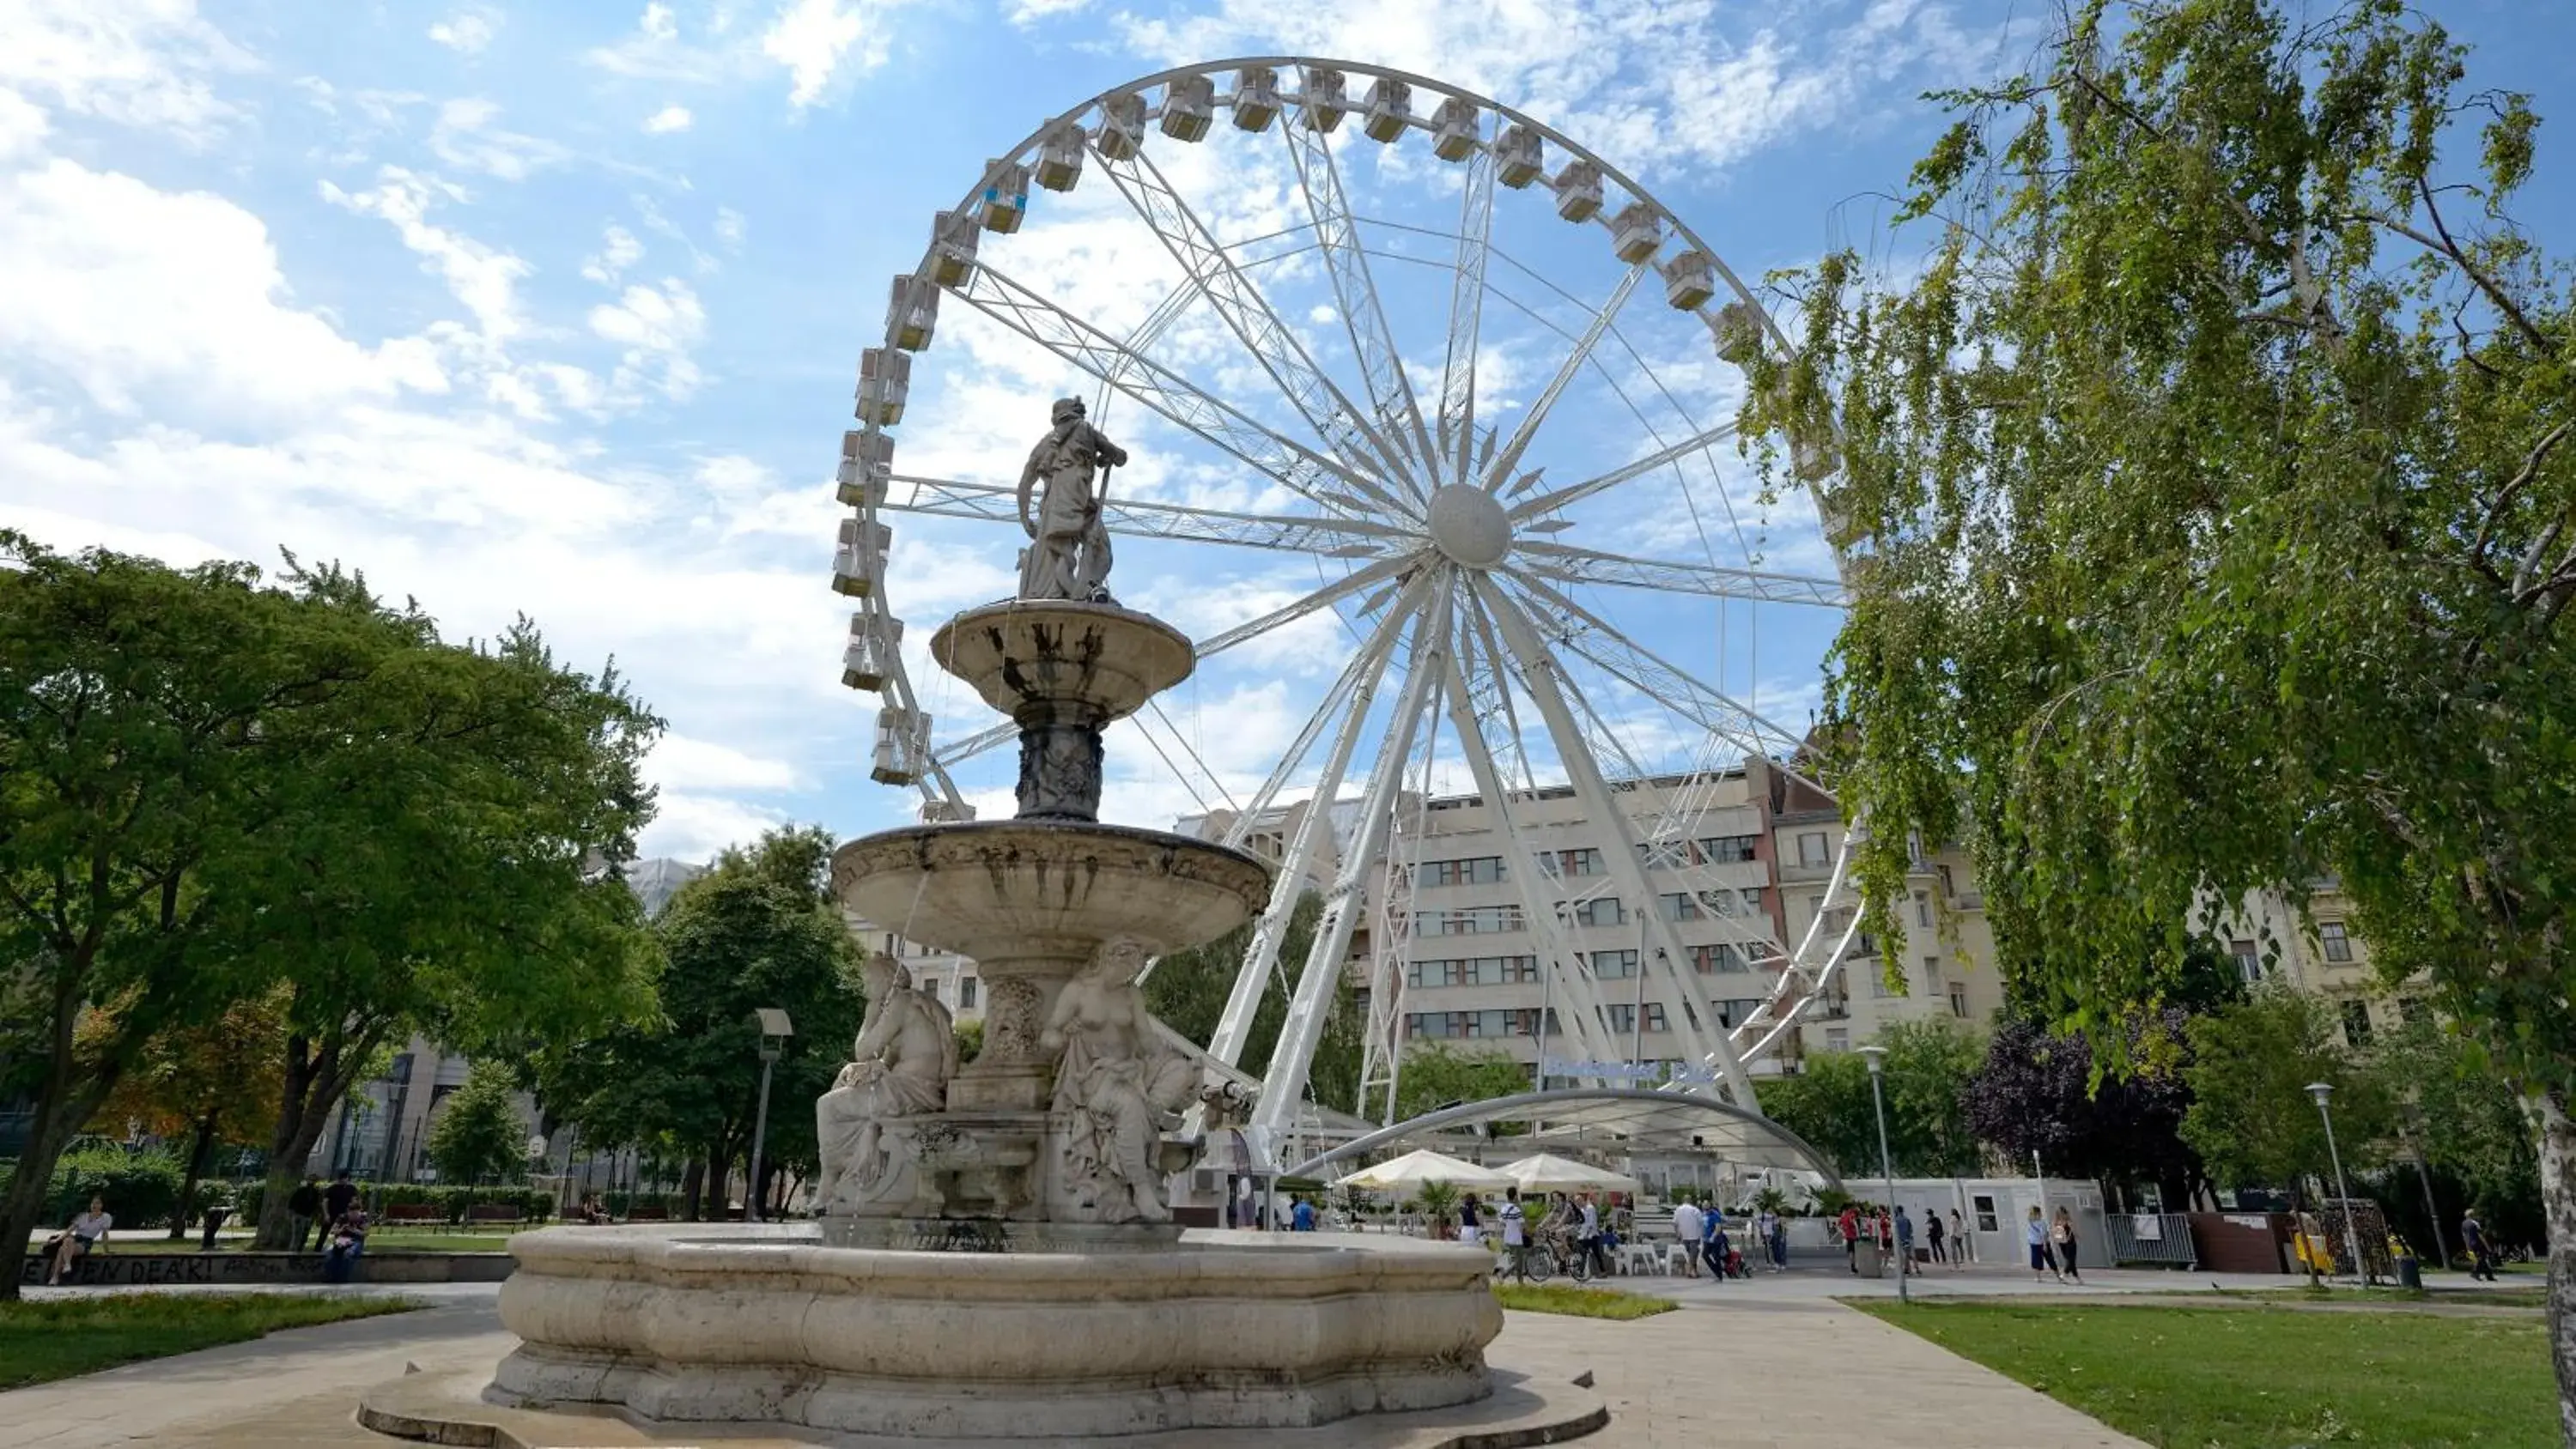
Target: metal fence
[(2156, 1239)]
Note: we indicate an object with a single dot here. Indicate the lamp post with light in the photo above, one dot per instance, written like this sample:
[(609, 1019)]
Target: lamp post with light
[(774, 1032), (2360, 1261), (1875, 1056)]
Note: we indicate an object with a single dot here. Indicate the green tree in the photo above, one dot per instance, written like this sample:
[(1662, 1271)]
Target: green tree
[(2251, 1118), (211, 787), (210, 1085), (757, 930), (1188, 989), (2211, 483), (2465, 1122), (1435, 1075), (1826, 1101), (480, 1136), (1929, 1067)]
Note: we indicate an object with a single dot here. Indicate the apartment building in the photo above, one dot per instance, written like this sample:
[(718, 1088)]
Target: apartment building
[(2333, 962)]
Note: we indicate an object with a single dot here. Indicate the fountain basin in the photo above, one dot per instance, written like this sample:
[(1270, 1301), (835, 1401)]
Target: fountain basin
[(1008, 890), (1037, 659), (765, 1324)]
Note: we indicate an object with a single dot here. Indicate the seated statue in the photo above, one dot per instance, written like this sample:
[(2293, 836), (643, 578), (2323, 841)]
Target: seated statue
[(900, 1066), (1117, 1088)]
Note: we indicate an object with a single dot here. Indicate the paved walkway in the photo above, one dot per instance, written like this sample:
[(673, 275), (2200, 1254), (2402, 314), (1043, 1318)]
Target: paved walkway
[(1778, 1368)]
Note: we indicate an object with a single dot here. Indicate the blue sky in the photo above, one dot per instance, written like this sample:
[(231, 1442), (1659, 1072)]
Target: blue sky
[(555, 309)]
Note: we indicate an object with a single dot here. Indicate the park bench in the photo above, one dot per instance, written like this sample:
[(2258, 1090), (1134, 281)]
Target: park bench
[(491, 1212), (415, 1212)]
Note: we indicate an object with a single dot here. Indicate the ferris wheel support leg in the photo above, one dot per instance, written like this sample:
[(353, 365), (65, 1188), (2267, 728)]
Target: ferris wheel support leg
[(1285, 1081), (1548, 685), (1234, 1027), (1583, 1015)]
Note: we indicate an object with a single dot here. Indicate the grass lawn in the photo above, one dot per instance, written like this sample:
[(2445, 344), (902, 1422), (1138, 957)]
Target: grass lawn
[(1580, 1302), (62, 1337), (2510, 1297), (2217, 1378)]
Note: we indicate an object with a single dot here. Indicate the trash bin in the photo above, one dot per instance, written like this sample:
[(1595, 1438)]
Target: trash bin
[(215, 1217), (2410, 1272), (1871, 1262)]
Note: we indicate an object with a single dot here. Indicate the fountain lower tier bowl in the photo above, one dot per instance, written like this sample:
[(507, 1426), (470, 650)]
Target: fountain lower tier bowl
[(1005, 891), (758, 1324)]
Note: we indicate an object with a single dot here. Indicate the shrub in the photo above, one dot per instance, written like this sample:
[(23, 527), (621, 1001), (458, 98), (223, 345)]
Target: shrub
[(141, 1189)]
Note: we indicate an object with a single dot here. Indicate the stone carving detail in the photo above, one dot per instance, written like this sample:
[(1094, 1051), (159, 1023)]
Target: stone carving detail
[(1227, 1105), (1011, 1025), (1117, 1089), (1059, 773), (905, 1054), (1068, 552)]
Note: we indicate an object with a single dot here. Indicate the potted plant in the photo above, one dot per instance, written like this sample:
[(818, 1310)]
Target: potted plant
[(1439, 1204)]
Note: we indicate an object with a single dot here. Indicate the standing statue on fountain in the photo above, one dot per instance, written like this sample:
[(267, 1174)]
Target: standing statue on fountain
[(1068, 552), (905, 1054), (1117, 1088)]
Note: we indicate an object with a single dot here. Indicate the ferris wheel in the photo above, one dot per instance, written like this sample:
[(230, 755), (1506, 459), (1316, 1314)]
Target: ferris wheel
[(1380, 379)]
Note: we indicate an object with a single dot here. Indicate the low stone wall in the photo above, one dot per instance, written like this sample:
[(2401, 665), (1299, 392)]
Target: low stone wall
[(158, 1270)]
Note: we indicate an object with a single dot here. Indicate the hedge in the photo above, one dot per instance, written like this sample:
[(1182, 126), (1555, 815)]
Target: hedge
[(141, 1188), (535, 1205)]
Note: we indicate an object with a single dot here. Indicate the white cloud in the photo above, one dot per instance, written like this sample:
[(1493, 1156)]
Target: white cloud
[(810, 37), (815, 41), (1025, 13), (464, 137), (466, 32), (681, 763), (618, 250), (667, 120), (483, 278), (657, 326), (172, 299), (730, 228), (142, 63), (22, 126), (690, 826)]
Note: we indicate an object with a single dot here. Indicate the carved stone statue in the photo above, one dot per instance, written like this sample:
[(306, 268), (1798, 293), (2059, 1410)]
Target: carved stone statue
[(900, 1066), (1117, 1089), (1068, 552)]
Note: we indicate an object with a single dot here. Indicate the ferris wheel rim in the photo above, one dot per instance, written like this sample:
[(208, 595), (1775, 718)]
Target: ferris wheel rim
[(936, 782)]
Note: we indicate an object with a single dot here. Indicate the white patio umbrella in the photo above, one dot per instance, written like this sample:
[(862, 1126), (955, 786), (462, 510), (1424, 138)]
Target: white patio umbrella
[(1424, 1165), (1547, 1172)]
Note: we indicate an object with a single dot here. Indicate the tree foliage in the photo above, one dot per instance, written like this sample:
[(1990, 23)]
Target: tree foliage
[(205, 1085), (1188, 992), (480, 1135), (2213, 482), (2037, 1091), (2251, 1118), (1928, 1068), (757, 930), (2463, 1119), (1436, 1075), (213, 787)]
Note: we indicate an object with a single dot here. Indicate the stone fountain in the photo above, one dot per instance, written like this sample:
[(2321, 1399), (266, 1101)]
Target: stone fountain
[(994, 1256)]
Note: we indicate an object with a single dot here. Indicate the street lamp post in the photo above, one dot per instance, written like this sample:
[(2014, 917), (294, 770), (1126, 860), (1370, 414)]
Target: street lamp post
[(1875, 1056), (774, 1032), (2360, 1260)]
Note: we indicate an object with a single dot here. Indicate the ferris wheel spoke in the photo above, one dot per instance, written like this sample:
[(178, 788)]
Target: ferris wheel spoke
[(1574, 493), (1549, 688), (1248, 314), (1466, 321), (1284, 1081), (1329, 536), (1588, 634), (1326, 482), (1508, 457), (1390, 391), (1147, 333), (1569, 564), (1489, 681)]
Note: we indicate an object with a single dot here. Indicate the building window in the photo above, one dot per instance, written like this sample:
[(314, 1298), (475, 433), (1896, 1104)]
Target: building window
[(1838, 1038), (1958, 1001), (1718, 957), (1665, 854), (1735, 1012), (966, 992), (1599, 911), (2249, 962), (2338, 945), (1949, 891), (1655, 1016), (1922, 908), (1813, 849), (1483, 870), (1613, 965), (1752, 897), (1680, 906), (2413, 1010), (2356, 1023), (1984, 1207), (1474, 921), (1932, 973), (1583, 862), (930, 987), (1728, 849)]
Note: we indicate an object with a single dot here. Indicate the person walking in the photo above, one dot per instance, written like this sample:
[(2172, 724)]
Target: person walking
[(2063, 1238), (1848, 1227), (303, 1206), (1690, 1226), (2473, 1240), (1515, 1242), (2034, 1235), (1470, 1228), (1932, 1233), (1965, 1248), (1904, 1229), (336, 1198), (1764, 1222)]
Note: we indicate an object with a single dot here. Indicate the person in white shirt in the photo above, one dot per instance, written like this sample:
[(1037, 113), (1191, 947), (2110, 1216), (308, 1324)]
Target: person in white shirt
[(1515, 1245), (86, 1232), (1687, 1222)]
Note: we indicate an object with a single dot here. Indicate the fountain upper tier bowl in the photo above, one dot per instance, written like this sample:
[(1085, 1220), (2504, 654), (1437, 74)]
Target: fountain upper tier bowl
[(1006, 890), (1035, 659)]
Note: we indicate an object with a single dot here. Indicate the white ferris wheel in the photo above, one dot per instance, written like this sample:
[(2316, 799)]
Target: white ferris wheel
[(1484, 408)]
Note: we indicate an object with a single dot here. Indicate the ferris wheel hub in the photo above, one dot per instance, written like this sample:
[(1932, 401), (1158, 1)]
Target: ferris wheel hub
[(1468, 524)]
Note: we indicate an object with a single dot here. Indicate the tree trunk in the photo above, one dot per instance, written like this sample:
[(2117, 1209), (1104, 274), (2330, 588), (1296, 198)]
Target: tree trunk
[(198, 1151), (64, 1100), (692, 1181), (2558, 1203), (316, 1081)]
